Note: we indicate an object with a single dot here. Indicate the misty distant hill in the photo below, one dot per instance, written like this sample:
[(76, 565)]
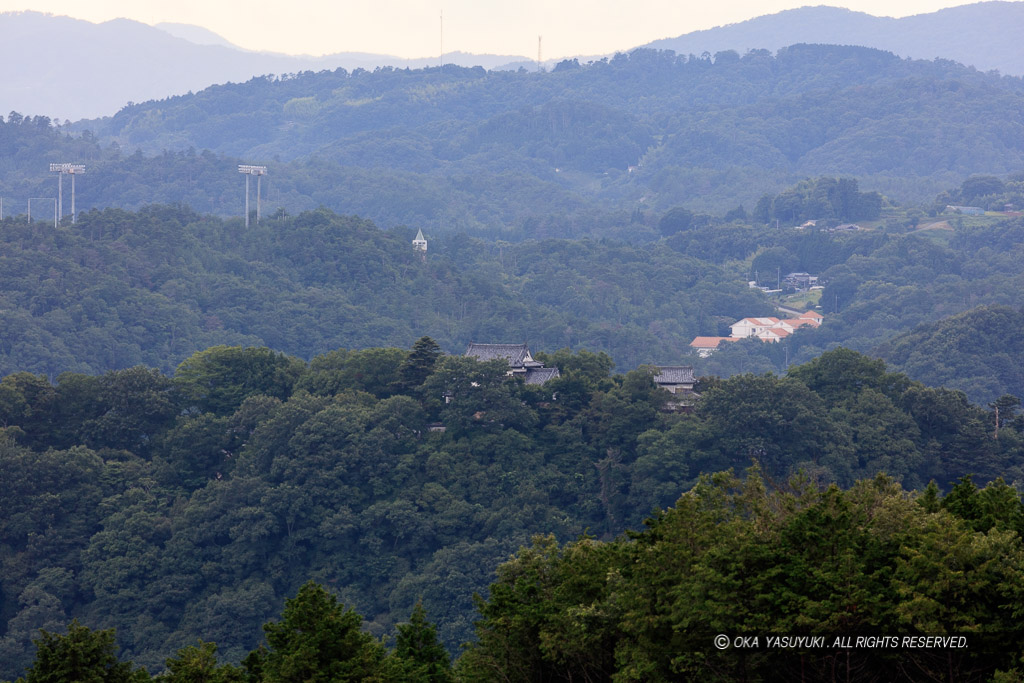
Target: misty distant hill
[(104, 66), (501, 152), (985, 35), (195, 34)]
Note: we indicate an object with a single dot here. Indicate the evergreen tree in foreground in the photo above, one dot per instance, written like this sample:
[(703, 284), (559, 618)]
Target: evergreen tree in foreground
[(81, 655), (317, 640), (419, 653)]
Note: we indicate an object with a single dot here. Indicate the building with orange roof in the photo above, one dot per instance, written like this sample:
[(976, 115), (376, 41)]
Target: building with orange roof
[(767, 329), (705, 346), (794, 324), (773, 334), (750, 327)]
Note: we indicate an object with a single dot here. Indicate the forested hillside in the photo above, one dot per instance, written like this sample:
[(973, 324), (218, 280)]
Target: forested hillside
[(581, 149), (118, 289), (645, 608), (201, 417), (823, 584), (184, 506), (974, 351)]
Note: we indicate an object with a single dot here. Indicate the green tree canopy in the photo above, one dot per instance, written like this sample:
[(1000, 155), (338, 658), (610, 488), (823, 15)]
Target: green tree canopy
[(318, 640), (218, 379), (80, 655), (416, 647)]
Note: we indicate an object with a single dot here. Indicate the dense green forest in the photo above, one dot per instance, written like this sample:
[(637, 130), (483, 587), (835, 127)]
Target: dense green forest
[(972, 351), (220, 432), (577, 151), (641, 261), (185, 506), (751, 558), (861, 579), (118, 289)]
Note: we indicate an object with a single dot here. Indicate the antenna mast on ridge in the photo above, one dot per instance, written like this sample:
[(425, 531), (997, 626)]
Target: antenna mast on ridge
[(538, 53)]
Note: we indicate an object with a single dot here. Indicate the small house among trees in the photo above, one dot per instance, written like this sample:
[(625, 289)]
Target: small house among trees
[(965, 210), (800, 280), (705, 346)]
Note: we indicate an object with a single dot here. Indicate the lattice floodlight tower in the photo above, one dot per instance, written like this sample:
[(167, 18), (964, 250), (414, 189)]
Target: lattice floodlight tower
[(259, 172), (61, 170)]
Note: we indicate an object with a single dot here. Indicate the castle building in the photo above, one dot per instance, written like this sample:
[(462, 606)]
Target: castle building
[(677, 380), (520, 362)]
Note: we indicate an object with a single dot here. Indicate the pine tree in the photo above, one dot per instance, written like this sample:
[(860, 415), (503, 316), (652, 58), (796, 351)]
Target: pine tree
[(420, 363), (418, 650), (317, 640), (81, 655)]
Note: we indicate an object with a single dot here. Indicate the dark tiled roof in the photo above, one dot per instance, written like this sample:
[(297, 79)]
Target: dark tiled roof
[(540, 375), (675, 374), (515, 354)]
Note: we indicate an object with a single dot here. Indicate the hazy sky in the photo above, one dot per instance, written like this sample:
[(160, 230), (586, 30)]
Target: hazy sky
[(411, 28)]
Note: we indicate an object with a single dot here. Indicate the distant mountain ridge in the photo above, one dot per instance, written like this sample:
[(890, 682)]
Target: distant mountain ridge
[(107, 65), (985, 35), (123, 61), (195, 34), (499, 152)]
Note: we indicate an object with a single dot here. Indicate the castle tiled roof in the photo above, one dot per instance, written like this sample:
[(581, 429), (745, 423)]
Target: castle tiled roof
[(674, 374), (540, 375), (515, 354)]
